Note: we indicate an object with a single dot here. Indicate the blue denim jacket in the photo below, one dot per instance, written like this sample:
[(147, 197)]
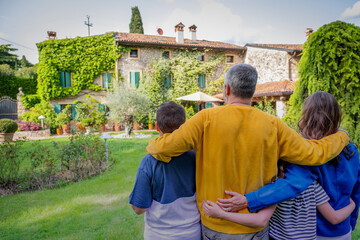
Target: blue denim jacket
[(340, 183)]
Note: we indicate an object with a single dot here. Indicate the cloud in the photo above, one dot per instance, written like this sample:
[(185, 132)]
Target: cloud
[(215, 22), (353, 12), (3, 35)]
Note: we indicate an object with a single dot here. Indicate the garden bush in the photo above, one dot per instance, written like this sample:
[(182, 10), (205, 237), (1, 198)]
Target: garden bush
[(28, 126), (10, 159), (8, 126)]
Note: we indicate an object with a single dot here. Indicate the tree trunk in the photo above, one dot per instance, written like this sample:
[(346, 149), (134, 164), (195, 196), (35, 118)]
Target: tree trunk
[(128, 122)]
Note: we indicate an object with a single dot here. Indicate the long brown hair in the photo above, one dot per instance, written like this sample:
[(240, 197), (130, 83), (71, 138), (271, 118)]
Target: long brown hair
[(321, 116)]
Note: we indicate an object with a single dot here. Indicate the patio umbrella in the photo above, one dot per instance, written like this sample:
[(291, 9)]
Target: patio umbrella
[(199, 97)]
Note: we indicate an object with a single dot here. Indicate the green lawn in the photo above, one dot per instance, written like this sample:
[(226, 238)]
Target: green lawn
[(96, 208)]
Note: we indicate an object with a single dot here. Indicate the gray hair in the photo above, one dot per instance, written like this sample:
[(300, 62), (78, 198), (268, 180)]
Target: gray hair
[(242, 80)]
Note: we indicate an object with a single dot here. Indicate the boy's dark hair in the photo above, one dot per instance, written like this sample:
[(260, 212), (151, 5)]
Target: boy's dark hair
[(170, 116)]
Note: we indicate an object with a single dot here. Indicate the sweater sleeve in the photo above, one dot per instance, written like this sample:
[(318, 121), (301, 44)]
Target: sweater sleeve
[(297, 179), (296, 149), (181, 140)]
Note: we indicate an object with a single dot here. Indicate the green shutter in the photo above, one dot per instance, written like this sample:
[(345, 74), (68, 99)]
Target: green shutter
[(105, 81), (101, 107), (109, 77), (222, 103), (73, 111), (62, 79), (137, 79), (67, 79), (201, 81), (168, 81), (132, 79), (196, 107), (57, 108), (208, 104)]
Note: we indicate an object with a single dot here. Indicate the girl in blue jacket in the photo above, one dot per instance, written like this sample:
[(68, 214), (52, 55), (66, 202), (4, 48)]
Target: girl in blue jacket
[(339, 178)]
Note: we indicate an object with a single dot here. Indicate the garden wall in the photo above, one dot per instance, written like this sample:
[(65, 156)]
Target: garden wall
[(32, 134)]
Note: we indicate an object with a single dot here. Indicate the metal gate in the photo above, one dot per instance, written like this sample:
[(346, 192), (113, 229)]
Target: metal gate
[(8, 108)]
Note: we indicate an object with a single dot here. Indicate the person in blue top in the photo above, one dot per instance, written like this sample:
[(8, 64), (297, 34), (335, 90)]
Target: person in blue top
[(165, 192), (340, 178)]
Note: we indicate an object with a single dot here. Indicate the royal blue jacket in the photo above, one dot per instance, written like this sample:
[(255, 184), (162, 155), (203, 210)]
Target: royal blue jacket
[(340, 183)]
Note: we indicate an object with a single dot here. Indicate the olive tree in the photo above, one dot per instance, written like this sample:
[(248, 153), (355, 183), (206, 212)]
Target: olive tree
[(125, 105), (331, 62)]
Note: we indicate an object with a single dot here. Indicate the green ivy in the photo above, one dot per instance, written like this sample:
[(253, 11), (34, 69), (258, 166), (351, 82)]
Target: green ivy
[(331, 62), (85, 57)]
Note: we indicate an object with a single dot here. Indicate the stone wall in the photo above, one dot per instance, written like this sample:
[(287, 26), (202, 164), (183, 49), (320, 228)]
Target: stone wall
[(100, 96), (32, 134), (272, 65)]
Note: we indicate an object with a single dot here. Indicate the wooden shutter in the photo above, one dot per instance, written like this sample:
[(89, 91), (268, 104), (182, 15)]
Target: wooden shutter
[(57, 108), (196, 107), (208, 104), (137, 79), (101, 107), (105, 81), (109, 76), (132, 79), (67, 79), (168, 81), (201, 81), (73, 111), (62, 79)]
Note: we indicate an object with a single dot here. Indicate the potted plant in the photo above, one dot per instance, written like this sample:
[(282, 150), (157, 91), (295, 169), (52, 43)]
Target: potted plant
[(117, 126), (87, 123), (100, 119), (7, 129), (151, 121), (64, 119)]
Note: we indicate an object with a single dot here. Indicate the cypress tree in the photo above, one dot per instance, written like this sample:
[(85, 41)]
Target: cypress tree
[(136, 25), (331, 62)]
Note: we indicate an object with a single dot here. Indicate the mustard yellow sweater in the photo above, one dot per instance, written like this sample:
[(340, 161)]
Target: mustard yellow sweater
[(237, 149)]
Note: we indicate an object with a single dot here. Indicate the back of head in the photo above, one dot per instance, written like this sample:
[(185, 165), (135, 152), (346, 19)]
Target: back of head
[(242, 79), (170, 116), (321, 116)]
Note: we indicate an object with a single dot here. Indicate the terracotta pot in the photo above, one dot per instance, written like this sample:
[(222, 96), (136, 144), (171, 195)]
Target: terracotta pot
[(6, 137), (81, 128), (102, 127), (136, 126), (59, 131), (66, 128), (151, 126), (117, 126)]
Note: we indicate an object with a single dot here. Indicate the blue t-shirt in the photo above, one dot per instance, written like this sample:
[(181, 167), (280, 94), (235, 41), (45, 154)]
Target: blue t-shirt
[(168, 191)]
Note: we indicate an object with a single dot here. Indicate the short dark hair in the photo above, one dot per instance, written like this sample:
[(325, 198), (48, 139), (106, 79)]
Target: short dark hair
[(242, 79), (170, 116)]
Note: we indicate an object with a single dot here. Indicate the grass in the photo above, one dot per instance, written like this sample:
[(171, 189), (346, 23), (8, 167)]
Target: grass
[(96, 208)]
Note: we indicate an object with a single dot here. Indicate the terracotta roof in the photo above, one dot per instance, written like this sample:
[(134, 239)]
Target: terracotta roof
[(137, 39), (286, 47), (281, 88)]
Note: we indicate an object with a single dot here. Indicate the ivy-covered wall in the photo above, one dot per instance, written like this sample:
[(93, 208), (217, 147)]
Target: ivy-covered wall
[(85, 57)]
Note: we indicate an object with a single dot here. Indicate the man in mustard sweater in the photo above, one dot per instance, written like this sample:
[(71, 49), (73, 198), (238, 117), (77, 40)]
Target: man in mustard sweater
[(237, 148)]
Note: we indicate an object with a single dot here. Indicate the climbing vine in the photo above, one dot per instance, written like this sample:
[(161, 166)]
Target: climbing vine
[(184, 68), (331, 62), (84, 57)]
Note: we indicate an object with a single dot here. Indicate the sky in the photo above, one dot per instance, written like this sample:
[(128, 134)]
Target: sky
[(23, 23)]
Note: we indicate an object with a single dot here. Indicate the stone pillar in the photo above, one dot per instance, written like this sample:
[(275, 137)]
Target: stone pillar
[(19, 105), (281, 107)]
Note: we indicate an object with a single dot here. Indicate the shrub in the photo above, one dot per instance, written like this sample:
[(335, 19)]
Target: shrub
[(88, 122), (29, 126), (8, 126), (30, 101), (10, 159)]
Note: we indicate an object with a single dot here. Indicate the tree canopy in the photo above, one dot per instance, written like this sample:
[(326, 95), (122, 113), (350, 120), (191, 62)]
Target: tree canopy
[(7, 57), (136, 25), (331, 62)]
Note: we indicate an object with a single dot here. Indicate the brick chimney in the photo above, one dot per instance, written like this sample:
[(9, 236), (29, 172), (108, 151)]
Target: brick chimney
[(192, 29), (308, 32), (180, 29)]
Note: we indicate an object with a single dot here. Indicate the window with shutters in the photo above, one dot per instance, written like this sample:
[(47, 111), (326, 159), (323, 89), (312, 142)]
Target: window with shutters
[(201, 81), (106, 80), (59, 107), (134, 54), (65, 79), (134, 79), (201, 58), (167, 81)]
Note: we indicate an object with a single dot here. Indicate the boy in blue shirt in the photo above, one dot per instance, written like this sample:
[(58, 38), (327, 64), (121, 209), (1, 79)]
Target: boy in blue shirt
[(165, 192)]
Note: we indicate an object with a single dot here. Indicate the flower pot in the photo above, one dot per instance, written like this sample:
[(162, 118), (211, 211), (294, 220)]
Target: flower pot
[(66, 128), (6, 137), (80, 128), (102, 127), (59, 131), (151, 126), (117, 126), (136, 126)]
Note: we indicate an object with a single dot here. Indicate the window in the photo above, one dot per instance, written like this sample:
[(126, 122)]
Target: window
[(166, 54), (230, 58), (65, 79), (134, 79), (59, 107), (167, 81), (134, 53), (201, 58), (106, 80), (201, 81)]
